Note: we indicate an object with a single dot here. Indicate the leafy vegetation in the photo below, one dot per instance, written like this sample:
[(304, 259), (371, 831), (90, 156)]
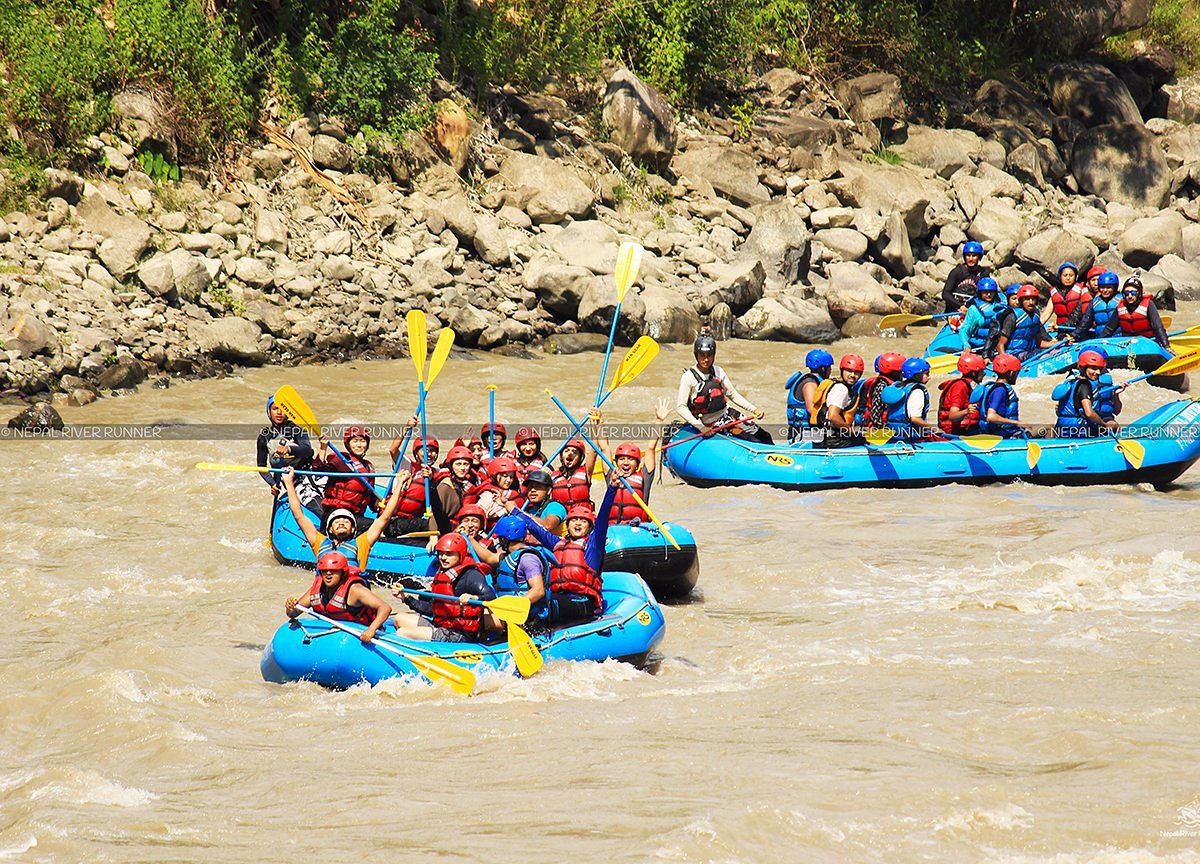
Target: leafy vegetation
[(1174, 24)]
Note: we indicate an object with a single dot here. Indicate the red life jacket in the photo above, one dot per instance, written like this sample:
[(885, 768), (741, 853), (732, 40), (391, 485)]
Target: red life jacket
[(1135, 322), (412, 502), (350, 493), (513, 494), (337, 607), (573, 488), (455, 615), (573, 575), (1064, 304), (710, 395), (625, 507), (961, 395), (523, 468)]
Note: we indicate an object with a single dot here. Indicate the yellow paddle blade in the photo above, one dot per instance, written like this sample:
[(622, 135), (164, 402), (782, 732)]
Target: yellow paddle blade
[(943, 364), (900, 320), (418, 344), (1183, 363), (510, 608), (875, 437), (217, 466), (1133, 451), (1166, 321), (629, 261), (524, 653), (1033, 454), (981, 442), (441, 351), (297, 409), (1184, 342), (441, 671), (639, 356)]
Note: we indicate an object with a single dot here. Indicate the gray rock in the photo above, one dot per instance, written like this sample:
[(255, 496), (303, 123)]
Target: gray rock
[(57, 212), (1008, 100), (669, 316), (784, 82), (780, 240), (732, 172), (596, 311), (790, 319), (1147, 240), (640, 120), (469, 322), (738, 285), (206, 243), (852, 290), (126, 237), (893, 249), (576, 343), (943, 151), (268, 317), (796, 130), (1025, 163), (1091, 94), (460, 218), (125, 374), (1191, 243), (554, 192), (339, 268), (253, 272), (883, 188), (1183, 99), (490, 244), (845, 244), (1046, 250), (559, 287), (334, 243), (175, 221), (1078, 24), (329, 152), (28, 335), (875, 103), (270, 230), (158, 277), (863, 325), (588, 243), (1183, 276), (57, 183), (1122, 162), (118, 163), (998, 220), (38, 417), (267, 164), (231, 339), (144, 122), (832, 217)]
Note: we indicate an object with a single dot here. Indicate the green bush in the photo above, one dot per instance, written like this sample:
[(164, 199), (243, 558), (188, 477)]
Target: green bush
[(1174, 24)]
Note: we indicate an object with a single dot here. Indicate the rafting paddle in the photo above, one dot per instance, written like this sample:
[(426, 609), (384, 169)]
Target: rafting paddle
[(220, 466), (299, 413), (720, 427), (1133, 451), (629, 261), (491, 421), (900, 320), (513, 610)]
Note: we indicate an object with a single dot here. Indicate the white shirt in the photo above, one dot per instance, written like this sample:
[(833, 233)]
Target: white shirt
[(689, 386)]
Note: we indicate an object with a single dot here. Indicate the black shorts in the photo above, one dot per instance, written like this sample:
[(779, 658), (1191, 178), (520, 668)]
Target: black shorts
[(565, 608)]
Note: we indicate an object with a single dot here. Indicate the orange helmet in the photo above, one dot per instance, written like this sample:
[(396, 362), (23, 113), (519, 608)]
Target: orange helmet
[(1092, 358), (970, 362), (1004, 363), (452, 543), (628, 449)]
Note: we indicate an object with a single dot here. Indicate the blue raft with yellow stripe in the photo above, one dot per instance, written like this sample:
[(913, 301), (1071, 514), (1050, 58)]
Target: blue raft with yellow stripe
[(1155, 449), (307, 649)]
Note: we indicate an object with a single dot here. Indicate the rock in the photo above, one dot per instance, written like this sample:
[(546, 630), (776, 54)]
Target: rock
[(1008, 100), (780, 240), (588, 243), (469, 323), (266, 164), (669, 316), (80, 396), (1078, 24), (790, 319), (126, 237), (784, 82), (796, 130), (253, 272), (596, 311), (554, 191), (853, 290), (460, 218), (1147, 240), (576, 343), (893, 249), (175, 221), (28, 335), (874, 102), (270, 230), (158, 277), (640, 120), (1191, 243), (452, 133), (38, 417), (738, 285), (268, 317), (883, 188), (334, 243), (231, 339), (998, 220), (1024, 161), (1183, 276), (490, 243), (732, 172), (340, 268), (1091, 94), (1183, 99), (861, 325), (145, 123), (559, 287), (57, 183), (329, 152), (125, 374), (1046, 250), (943, 151), (1155, 63), (57, 213), (845, 244), (832, 217)]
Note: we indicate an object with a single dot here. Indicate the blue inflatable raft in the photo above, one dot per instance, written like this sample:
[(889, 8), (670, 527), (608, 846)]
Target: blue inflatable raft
[(640, 549), (307, 649), (1154, 449)]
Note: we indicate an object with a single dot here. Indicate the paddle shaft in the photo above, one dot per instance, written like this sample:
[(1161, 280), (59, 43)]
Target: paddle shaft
[(211, 466), (492, 422), (718, 428), (433, 595), (285, 402)]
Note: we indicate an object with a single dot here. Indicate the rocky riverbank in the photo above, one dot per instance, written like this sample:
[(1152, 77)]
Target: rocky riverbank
[(816, 212)]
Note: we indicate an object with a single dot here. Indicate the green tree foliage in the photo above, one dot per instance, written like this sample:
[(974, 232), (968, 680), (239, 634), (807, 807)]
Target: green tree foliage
[(1174, 24)]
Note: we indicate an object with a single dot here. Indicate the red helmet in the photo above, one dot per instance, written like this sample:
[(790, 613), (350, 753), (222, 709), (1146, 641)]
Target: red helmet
[(502, 465), (629, 449), (356, 432), (333, 561), (889, 363), (581, 511), (471, 510), (970, 362), (1023, 292), (418, 442), (452, 543), (1003, 363), (498, 428), (577, 443), (1092, 358), (475, 442), (528, 433), (1093, 273), (852, 362), (459, 452)]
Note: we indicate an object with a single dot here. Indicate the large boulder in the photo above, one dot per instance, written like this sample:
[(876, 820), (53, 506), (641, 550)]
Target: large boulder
[(732, 172), (588, 243), (559, 287), (27, 334), (669, 316), (1122, 162), (640, 120), (1147, 240), (874, 102), (234, 340), (943, 151), (1079, 24), (1046, 250), (1183, 99), (739, 285), (1183, 276), (490, 243), (126, 238), (1091, 94), (972, 188), (892, 248), (998, 220), (780, 240), (596, 307), (1008, 100), (842, 244), (39, 417), (852, 290), (787, 318), (547, 190), (145, 122), (796, 130), (271, 231), (884, 188), (329, 152)]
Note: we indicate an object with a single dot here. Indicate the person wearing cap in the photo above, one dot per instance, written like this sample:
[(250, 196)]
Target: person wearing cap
[(872, 410), (837, 405), (573, 479), (997, 401), (1103, 308), (802, 390), (1137, 315), (636, 466), (453, 619), (982, 311), (707, 397), (1087, 405), (341, 527), (339, 592), (576, 581), (961, 281), (1068, 298), (1020, 331), (539, 503), (283, 444), (352, 493), (957, 414)]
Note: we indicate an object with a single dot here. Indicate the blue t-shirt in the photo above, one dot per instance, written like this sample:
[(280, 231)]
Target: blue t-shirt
[(997, 401)]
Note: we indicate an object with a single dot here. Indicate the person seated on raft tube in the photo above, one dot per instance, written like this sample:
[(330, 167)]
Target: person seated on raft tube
[(538, 502), (961, 281), (573, 479), (838, 403), (353, 493), (636, 467), (341, 527), (957, 414), (1087, 405), (872, 410), (500, 490), (410, 510), (1137, 315), (577, 581), (1068, 295), (984, 309), (707, 397), (908, 402), (339, 592), (459, 578), (1093, 320), (997, 402), (529, 451), (518, 568), (283, 444), (802, 390), (470, 520), (1019, 331)]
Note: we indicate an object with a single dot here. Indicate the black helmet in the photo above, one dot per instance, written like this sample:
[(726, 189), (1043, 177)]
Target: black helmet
[(540, 477), (704, 344)]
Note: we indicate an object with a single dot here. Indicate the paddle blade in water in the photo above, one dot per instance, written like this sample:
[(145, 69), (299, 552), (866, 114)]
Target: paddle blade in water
[(510, 608), (629, 261), (297, 409), (217, 466), (1133, 452), (441, 671), (639, 356), (441, 351), (900, 320), (524, 653), (418, 344)]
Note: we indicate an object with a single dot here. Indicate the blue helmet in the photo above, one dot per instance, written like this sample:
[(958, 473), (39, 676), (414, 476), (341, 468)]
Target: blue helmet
[(914, 366), (972, 248), (510, 527), (1012, 289), (1067, 265), (1108, 278), (987, 283), (818, 358)]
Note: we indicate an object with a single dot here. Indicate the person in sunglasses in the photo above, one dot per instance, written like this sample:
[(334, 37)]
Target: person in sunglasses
[(1137, 315)]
